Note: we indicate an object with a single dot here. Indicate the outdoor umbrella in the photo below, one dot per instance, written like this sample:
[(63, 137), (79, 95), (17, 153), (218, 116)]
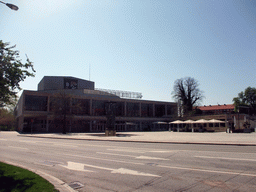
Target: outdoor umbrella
[(216, 121), (202, 121), (177, 122), (189, 122)]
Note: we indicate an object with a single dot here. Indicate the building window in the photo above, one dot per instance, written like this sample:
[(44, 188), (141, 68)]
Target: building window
[(98, 108), (159, 110), (170, 110), (70, 83), (98, 126), (119, 109), (35, 103), (146, 110), (80, 106), (133, 109)]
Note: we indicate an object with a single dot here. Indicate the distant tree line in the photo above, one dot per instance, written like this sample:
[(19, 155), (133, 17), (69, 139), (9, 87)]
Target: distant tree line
[(246, 101)]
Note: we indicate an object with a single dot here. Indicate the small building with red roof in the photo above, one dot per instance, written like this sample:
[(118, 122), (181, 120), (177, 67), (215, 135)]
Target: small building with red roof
[(217, 109)]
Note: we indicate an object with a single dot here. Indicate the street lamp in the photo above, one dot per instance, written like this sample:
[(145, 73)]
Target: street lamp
[(11, 6)]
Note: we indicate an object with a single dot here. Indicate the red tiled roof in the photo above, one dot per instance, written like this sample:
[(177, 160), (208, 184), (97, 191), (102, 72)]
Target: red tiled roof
[(216, 107)]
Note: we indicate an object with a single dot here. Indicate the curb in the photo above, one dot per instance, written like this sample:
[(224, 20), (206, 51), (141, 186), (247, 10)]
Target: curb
[(58, 184), (164, 142)]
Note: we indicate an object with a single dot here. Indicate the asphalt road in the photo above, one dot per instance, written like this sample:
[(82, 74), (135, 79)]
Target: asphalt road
[(123, 166)]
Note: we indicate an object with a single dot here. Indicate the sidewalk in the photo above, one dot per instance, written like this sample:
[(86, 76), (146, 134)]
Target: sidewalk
[(220, 138)]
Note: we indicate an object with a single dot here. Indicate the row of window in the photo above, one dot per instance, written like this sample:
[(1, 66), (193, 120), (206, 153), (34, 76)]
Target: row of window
[(99, 107), (224, 111)]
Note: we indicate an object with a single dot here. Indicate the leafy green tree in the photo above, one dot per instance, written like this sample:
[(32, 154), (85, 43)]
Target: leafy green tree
[(12, 72), (246, 99), (7, 120), (187, 93)]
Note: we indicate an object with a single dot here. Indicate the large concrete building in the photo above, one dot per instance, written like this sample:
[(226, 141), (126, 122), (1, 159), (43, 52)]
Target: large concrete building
[(34, 111)]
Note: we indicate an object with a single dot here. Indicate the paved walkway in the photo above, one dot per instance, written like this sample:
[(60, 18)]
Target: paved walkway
[(220, 138)]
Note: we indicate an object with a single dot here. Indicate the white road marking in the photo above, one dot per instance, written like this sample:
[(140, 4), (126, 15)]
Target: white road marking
[(27, 141), (20, 148), (207, 170), (44, 142), (146, 157), (144, 150), (87, 157), (80, 167), (136, 157), (117, 154), (236, 159), (125, 150), (75, 166), (98, 167), (162, 151), (132, 172), (65, 145), (3, 139)]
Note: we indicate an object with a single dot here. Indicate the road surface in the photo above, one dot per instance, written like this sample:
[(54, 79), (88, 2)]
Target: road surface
[(135, 167)]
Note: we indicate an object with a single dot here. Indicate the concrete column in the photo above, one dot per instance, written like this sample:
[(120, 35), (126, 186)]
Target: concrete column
[(90, 111), (140, 110), (47, 124), (125, 105), (90, 126), (48, 104)]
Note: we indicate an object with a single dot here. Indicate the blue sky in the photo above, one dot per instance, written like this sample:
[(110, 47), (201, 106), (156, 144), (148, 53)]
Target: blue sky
[(138, 45)]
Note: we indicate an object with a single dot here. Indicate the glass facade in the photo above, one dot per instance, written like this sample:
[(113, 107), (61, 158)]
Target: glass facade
[(98, 126), (146, 110), (90, 113), (170, 110), (159, 110), (60, 104), (80, 106), (132, 109), (120, 109), (35, 103), (98, 108)]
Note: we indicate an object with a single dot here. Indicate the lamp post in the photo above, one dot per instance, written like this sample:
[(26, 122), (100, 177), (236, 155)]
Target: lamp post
[(11, 6)]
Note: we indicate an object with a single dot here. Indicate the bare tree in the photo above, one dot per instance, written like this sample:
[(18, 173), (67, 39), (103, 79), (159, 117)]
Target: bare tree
[(186, 92), (61, 108)]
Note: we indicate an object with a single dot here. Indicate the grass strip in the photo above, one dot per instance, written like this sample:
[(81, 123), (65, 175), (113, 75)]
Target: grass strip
[(16, 179)]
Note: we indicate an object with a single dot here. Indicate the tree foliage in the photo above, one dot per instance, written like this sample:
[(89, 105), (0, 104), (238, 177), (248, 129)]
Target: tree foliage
[(186, 90), (247, 99), (7, 119), (12, 72)]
